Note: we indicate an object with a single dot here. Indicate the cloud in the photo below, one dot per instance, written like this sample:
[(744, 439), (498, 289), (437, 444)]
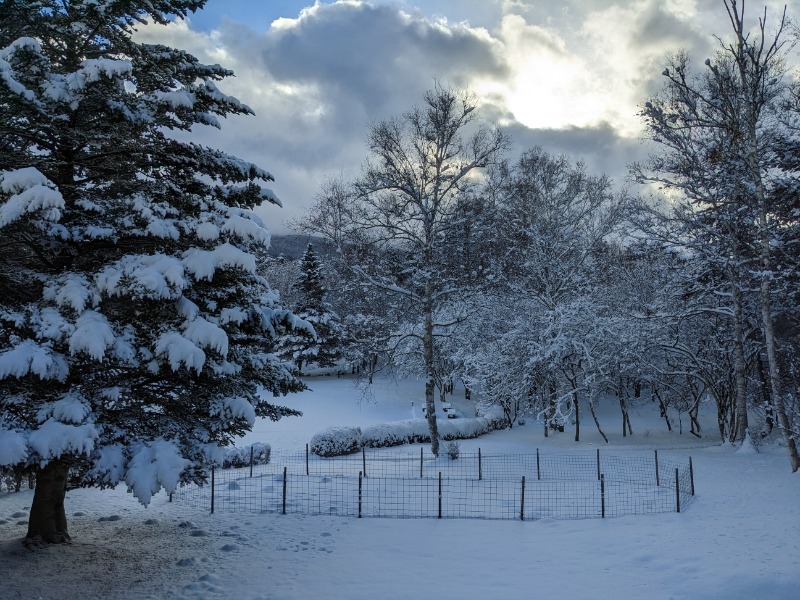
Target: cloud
[(568, 76)]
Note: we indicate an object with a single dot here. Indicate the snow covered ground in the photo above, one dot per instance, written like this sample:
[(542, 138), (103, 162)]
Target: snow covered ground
[(738, 539)]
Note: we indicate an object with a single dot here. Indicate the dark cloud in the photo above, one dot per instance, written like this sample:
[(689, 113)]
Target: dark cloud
[(600, 147), (372, 55)]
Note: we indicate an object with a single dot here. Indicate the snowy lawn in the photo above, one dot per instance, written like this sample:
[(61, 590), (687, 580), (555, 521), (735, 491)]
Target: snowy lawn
[(738, 539)]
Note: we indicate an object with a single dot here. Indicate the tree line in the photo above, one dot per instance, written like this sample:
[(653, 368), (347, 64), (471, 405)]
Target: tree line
[(545, 287)]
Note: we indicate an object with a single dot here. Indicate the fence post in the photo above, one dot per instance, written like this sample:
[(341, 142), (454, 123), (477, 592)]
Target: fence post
[(360, 483), (170, 497), (420, 462), (602, 496), (251, 460), (522, 501), (658, 483), (691, 474), (480, 465), (364, 459), (440, 494), (538, 470), (212, 489), (598, 464), (306, 459), (677, 491), (284, 490)]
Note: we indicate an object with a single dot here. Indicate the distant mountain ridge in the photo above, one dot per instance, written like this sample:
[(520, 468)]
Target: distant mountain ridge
[(294, 245)]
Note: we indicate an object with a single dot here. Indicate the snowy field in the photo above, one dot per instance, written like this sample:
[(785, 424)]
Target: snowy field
[(738, 539)]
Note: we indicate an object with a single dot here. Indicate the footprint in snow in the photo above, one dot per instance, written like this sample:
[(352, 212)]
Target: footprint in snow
[(187, 562), (18, 514), (229, 547)]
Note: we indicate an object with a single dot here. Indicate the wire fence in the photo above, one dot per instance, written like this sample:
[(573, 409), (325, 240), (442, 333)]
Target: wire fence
[(483, 486)]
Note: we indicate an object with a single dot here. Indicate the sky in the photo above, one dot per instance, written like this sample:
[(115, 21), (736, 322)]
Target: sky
[(568, 76)]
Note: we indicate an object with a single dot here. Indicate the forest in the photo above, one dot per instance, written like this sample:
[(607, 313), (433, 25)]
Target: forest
[(143, 328), (546, 287)]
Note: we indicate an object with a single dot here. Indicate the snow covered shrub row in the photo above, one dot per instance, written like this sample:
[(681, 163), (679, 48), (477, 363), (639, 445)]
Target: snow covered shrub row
[(338, 441), (240, 457)]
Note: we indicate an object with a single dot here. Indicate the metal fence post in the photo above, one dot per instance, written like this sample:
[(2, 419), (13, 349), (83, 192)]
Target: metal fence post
[(364, 460), (420, 462), (440, 494), (538, 470), (522, 501), (306, 459), (677, 491), (691, 474), (658, 483), (602, 496), (360, 483), (598, 464), (251, 460), (212, 489), (284, 490), (480, 466)]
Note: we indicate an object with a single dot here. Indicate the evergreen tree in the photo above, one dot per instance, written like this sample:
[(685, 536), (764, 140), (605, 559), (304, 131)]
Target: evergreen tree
[(135, 335), (325, 348)]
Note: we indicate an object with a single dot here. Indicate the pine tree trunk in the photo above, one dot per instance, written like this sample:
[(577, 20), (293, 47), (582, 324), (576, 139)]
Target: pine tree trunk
[(48, 520)]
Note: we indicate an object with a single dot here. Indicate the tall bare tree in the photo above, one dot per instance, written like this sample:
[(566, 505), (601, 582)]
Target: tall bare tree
[(723, 120), (420, 169)]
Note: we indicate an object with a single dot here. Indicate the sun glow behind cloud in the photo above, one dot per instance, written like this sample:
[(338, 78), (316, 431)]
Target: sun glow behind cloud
[(547, 86)]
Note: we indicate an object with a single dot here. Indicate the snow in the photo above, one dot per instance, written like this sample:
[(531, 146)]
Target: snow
[(739, 539), (153, 276), (71, 290), (30, 357), (207, 335), (202, 264), (13, 448), (153, 466), (180, 351), (31, 192), (93, 335), (54, 439)]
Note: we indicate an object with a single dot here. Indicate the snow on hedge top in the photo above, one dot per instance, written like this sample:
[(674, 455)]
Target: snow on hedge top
[(30, 192)]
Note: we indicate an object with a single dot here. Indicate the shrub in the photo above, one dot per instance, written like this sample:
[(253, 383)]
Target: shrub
[(336, 441), (240, 457), (453, 449)]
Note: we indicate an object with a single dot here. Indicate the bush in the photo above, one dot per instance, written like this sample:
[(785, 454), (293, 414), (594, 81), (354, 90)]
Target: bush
[(453, 449), (336, 441), (240, 457), (410, 431)]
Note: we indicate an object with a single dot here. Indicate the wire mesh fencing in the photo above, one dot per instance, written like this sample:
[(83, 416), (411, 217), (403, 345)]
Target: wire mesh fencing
[(415, 485)]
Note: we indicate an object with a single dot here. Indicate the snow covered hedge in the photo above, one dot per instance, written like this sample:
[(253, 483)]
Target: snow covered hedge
[(338, 441), (240, 457)]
